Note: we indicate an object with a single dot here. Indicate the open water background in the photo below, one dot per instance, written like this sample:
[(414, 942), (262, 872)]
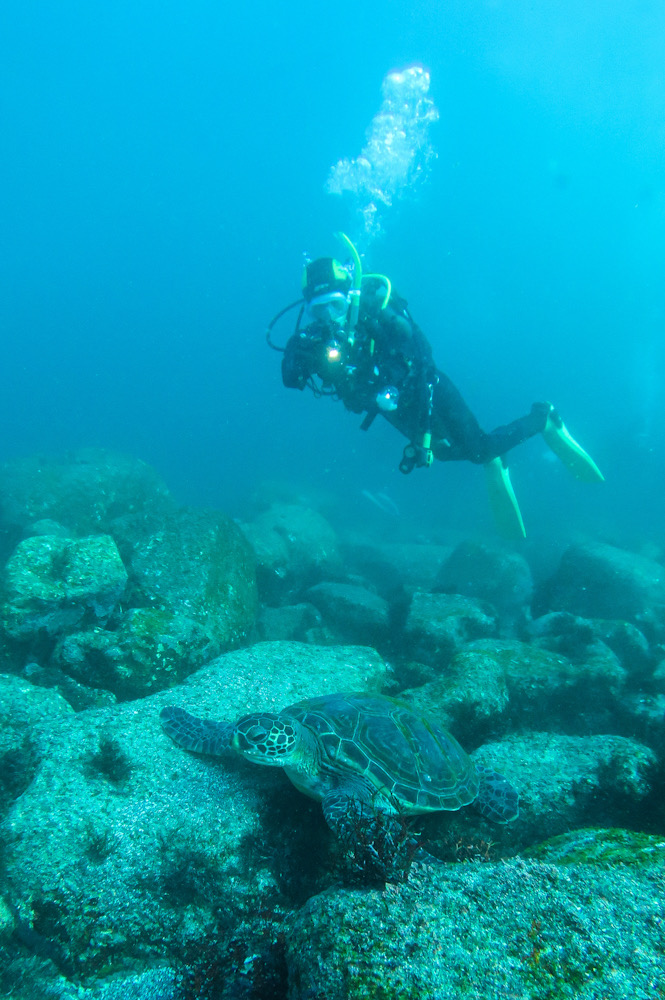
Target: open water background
[(162, 172)]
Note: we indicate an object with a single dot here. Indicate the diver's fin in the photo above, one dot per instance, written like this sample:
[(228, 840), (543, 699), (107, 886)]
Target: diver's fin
[(566, 448), (503, 500)]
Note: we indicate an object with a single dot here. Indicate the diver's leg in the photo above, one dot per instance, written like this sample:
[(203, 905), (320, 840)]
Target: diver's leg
[(457, 435)]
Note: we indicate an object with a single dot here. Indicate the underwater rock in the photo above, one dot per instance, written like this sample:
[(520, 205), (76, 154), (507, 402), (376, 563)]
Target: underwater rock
[(659, 677), (191, 595), (196, 576), (130, 847), (643, 714), (46, 526), (76, 693), (22, 708), (630, 645), (191, 591), (542, 684), (291, 622), (596, 580), (473, 931), (151, 649), (7, 923), (570, 781), (153, 984), (114, 825), (439, 624), (492, 685), (576, 637), (295, 547), (84, 492), (489, 573), (198, 562), (392, 566), (354, 614), (6, 920), (472, 702), (270, 675), (54, 584)]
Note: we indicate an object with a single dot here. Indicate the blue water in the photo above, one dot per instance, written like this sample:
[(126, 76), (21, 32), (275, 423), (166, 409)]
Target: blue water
[(162, 172)]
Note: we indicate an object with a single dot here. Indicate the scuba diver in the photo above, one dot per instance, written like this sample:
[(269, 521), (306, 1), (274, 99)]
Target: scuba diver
[(355, 340)]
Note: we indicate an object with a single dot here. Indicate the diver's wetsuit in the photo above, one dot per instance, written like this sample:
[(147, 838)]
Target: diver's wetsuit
[(389, 349)]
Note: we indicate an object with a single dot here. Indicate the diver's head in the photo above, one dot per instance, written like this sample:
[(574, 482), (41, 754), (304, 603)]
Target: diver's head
[(325, 286)]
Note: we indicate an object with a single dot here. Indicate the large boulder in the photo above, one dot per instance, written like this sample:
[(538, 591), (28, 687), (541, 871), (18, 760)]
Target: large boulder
[(353, 613), (570, 781), (85, 491), (438, 625), (596, 580), (271, 675), (489, 573), (197, 563), (55, 584), (23, 707), (191, 595), (295, 547), (179, 588), (523, 929), (123, 848), (150, 649), (563, 782), (494, 685), (294, 622), (116, 831), (393, 566), (574, 637)]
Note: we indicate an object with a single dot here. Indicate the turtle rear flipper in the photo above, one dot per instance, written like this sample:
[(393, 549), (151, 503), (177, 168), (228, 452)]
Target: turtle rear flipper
[(497, 799), (198, 735)]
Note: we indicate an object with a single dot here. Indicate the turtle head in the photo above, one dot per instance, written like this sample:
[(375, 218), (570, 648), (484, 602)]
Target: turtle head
[(267, 739)]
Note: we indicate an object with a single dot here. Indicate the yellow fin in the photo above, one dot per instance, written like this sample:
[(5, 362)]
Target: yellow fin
[(503, 501), (573, 455)]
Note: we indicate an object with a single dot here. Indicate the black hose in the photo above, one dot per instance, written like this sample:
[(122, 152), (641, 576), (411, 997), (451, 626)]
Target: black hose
[(276, 319)]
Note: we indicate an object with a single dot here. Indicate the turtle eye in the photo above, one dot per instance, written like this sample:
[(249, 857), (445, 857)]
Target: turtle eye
[(251, 740), (256, 734)]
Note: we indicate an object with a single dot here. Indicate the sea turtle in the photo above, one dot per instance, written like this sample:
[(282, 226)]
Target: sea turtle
[(356, 751)]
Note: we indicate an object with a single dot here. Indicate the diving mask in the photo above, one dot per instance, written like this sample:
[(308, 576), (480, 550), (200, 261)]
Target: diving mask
[(331, 307)]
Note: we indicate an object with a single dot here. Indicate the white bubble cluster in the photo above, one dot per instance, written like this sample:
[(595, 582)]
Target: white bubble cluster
[(397, 152)]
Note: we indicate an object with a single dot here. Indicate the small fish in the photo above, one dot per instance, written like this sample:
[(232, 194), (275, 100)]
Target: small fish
[(382, 501), (388, 503)]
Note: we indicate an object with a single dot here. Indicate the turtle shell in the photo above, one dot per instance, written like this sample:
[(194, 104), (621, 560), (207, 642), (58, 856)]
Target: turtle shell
[(418, 766)]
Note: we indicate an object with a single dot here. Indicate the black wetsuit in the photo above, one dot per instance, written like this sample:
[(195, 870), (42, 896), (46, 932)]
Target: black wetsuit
[(389, 349)]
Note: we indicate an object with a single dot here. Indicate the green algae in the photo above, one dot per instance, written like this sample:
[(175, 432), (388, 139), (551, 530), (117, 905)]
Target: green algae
[(592, 846), (230, 586)]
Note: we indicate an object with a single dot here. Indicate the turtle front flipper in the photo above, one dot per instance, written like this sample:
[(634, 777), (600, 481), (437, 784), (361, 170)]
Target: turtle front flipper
[(497, 799), (381, 843), (198, 735), (341, 812)]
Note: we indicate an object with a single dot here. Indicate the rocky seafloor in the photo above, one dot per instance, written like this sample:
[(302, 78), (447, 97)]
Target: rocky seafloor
[(132, 869)]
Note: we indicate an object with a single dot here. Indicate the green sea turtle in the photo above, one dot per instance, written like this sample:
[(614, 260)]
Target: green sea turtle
[(356, 751)]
